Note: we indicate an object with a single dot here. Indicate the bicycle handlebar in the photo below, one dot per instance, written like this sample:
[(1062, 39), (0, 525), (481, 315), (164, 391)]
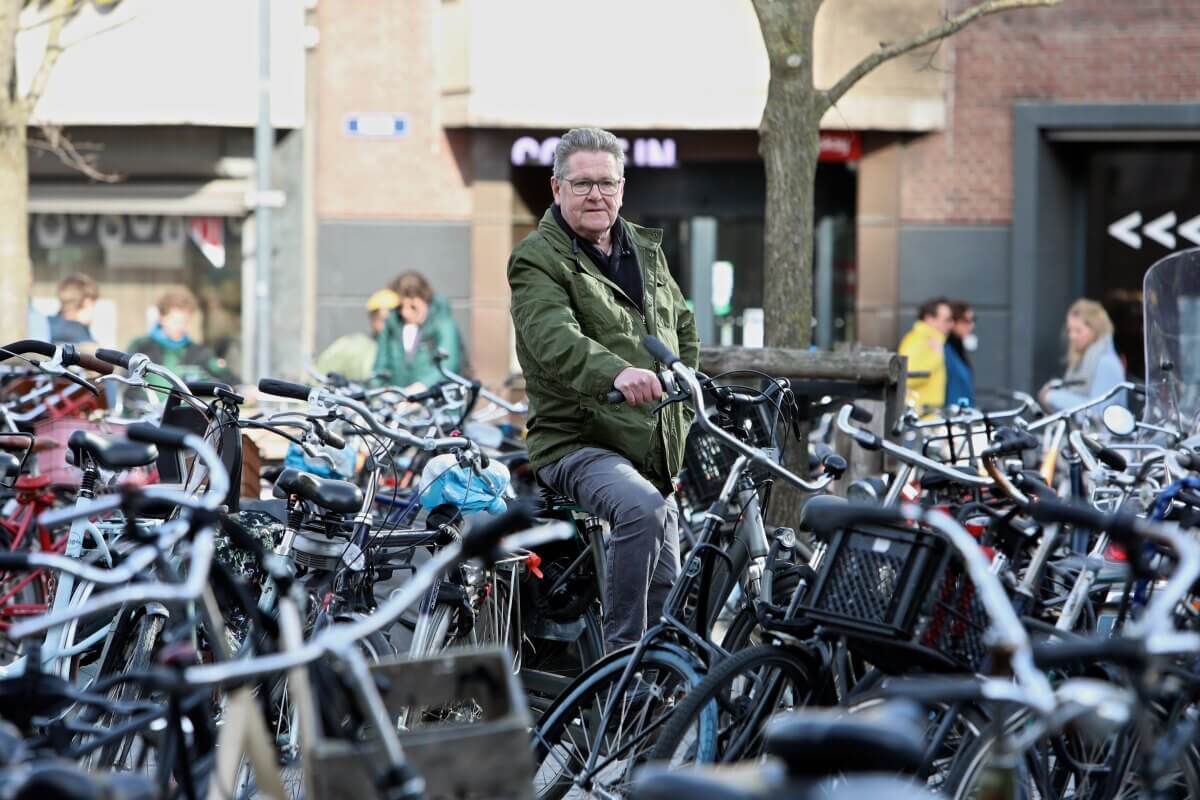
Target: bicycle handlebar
[(1125, 386), (871, 441)]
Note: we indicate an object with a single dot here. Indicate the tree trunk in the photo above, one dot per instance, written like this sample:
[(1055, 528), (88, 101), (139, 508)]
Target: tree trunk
[(15, 267), (789, 143)]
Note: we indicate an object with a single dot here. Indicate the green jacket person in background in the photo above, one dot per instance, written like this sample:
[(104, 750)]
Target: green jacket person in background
[(413, 334), (170, 344), (586, 286)]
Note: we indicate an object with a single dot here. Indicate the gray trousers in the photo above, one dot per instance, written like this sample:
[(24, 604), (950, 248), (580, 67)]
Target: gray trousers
[(643, 549)]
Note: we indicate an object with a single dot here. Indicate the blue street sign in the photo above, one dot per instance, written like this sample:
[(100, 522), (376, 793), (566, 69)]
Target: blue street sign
[(377, 125)]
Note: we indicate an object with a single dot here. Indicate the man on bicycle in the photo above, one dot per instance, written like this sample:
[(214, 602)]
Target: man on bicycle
[(586, 286)]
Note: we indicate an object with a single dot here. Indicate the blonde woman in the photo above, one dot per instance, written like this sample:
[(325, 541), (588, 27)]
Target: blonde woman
[(1093, 366)]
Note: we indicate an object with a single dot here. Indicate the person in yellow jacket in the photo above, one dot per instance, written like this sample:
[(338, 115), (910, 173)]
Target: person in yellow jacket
[(925, 347)]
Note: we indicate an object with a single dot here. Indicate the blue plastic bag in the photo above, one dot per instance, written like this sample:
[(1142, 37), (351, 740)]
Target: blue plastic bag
[(443, 481)]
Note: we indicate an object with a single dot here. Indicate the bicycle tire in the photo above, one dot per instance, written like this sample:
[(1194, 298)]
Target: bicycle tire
[(782, 673), (134, 654), (664, 677)]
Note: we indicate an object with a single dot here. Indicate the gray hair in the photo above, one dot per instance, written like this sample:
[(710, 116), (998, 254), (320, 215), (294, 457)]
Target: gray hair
[(587, 140)]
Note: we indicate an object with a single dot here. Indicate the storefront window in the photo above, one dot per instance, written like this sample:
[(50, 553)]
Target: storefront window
[(134, 259), (731, 193)]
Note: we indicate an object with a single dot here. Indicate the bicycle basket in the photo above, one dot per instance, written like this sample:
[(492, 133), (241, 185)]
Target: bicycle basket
[(706, 461), (902, 597)]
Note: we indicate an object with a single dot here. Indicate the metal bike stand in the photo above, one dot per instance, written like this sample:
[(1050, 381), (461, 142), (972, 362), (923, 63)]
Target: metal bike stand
[(488, 757)]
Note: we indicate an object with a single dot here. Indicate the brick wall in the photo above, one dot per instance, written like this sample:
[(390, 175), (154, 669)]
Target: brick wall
[(380, 56), (1092, 51)]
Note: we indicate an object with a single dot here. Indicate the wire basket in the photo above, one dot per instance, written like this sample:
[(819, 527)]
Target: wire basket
[(707, 461), (902, 597)]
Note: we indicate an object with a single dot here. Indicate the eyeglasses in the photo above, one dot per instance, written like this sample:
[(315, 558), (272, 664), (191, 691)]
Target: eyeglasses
[(583, 187)]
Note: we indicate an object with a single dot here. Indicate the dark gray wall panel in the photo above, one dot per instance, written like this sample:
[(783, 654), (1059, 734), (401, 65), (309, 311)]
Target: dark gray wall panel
[(356, 257), (969, 262)]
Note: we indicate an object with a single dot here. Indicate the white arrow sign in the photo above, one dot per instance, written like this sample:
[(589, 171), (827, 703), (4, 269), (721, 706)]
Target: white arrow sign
[(1160, 230), (1125, 230), (1190, 230)]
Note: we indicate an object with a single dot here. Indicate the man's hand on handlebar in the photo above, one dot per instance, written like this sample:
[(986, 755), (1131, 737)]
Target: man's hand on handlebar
[(638, 386)]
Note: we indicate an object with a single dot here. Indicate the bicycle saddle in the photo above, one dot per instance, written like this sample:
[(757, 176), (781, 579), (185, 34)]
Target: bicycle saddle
[(19, 444), (814, 507), (749, 781), (340, 497), (765, 782), (888, 738), (111, 454)]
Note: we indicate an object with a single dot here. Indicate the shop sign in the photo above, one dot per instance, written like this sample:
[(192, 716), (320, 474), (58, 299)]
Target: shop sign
[(208, 234), (840, 146), (640, 152)]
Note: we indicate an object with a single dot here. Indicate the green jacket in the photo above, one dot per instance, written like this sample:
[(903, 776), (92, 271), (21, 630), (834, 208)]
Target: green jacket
[(351, 356), (576, 330), (437, 333)]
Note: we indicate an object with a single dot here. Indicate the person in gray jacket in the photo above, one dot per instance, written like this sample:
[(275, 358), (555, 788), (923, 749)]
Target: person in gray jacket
[(1093, 366)]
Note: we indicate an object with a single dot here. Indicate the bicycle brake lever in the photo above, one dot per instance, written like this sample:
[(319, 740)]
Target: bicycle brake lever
[(668, 400)]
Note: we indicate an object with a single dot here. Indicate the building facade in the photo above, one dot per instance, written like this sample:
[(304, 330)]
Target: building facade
[(1066, 167), (438, 119)]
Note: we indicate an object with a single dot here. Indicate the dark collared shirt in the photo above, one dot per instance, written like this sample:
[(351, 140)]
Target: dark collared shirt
[(620, 265)]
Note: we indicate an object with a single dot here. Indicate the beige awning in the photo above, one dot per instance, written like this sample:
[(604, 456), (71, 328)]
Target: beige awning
[(217, 198)]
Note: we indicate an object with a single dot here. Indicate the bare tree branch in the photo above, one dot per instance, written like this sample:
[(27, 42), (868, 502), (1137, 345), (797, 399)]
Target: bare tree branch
[(952, 25), (57, 143), (53, 49), (10, 13)]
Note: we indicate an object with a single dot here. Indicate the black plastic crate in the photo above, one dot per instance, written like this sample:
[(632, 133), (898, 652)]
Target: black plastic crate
[(707, 461), (902, 594)]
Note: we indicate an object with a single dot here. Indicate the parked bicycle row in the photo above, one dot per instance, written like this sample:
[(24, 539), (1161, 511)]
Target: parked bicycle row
[(405, 609)]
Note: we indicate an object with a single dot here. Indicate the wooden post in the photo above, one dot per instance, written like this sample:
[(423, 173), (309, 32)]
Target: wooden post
[(873, 379)]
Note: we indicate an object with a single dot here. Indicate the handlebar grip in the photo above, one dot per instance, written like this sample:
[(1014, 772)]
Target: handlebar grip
[(293, 391), (165, 436), (612, 397), (91, 363), (23, 346), (1011, 442), (330, 438), (114, 357), (1112, 459), (431, 393), (860, 414), (934, 690), (659, 350), (1078, 652), (484, 537), (10, 559), (207, 388), (1120, 527)]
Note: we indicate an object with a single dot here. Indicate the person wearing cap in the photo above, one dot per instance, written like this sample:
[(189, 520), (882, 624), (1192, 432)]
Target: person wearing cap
[(353, 356)]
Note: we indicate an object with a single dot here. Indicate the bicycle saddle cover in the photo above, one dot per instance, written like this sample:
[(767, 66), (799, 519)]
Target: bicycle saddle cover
[(340, 497), (112, 454), (888, 738)]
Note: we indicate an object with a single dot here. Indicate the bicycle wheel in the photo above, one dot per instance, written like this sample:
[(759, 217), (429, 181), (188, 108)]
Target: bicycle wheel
[(1074, 765), (132, 653), (742, 692), (570, 733), (22, 594)]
